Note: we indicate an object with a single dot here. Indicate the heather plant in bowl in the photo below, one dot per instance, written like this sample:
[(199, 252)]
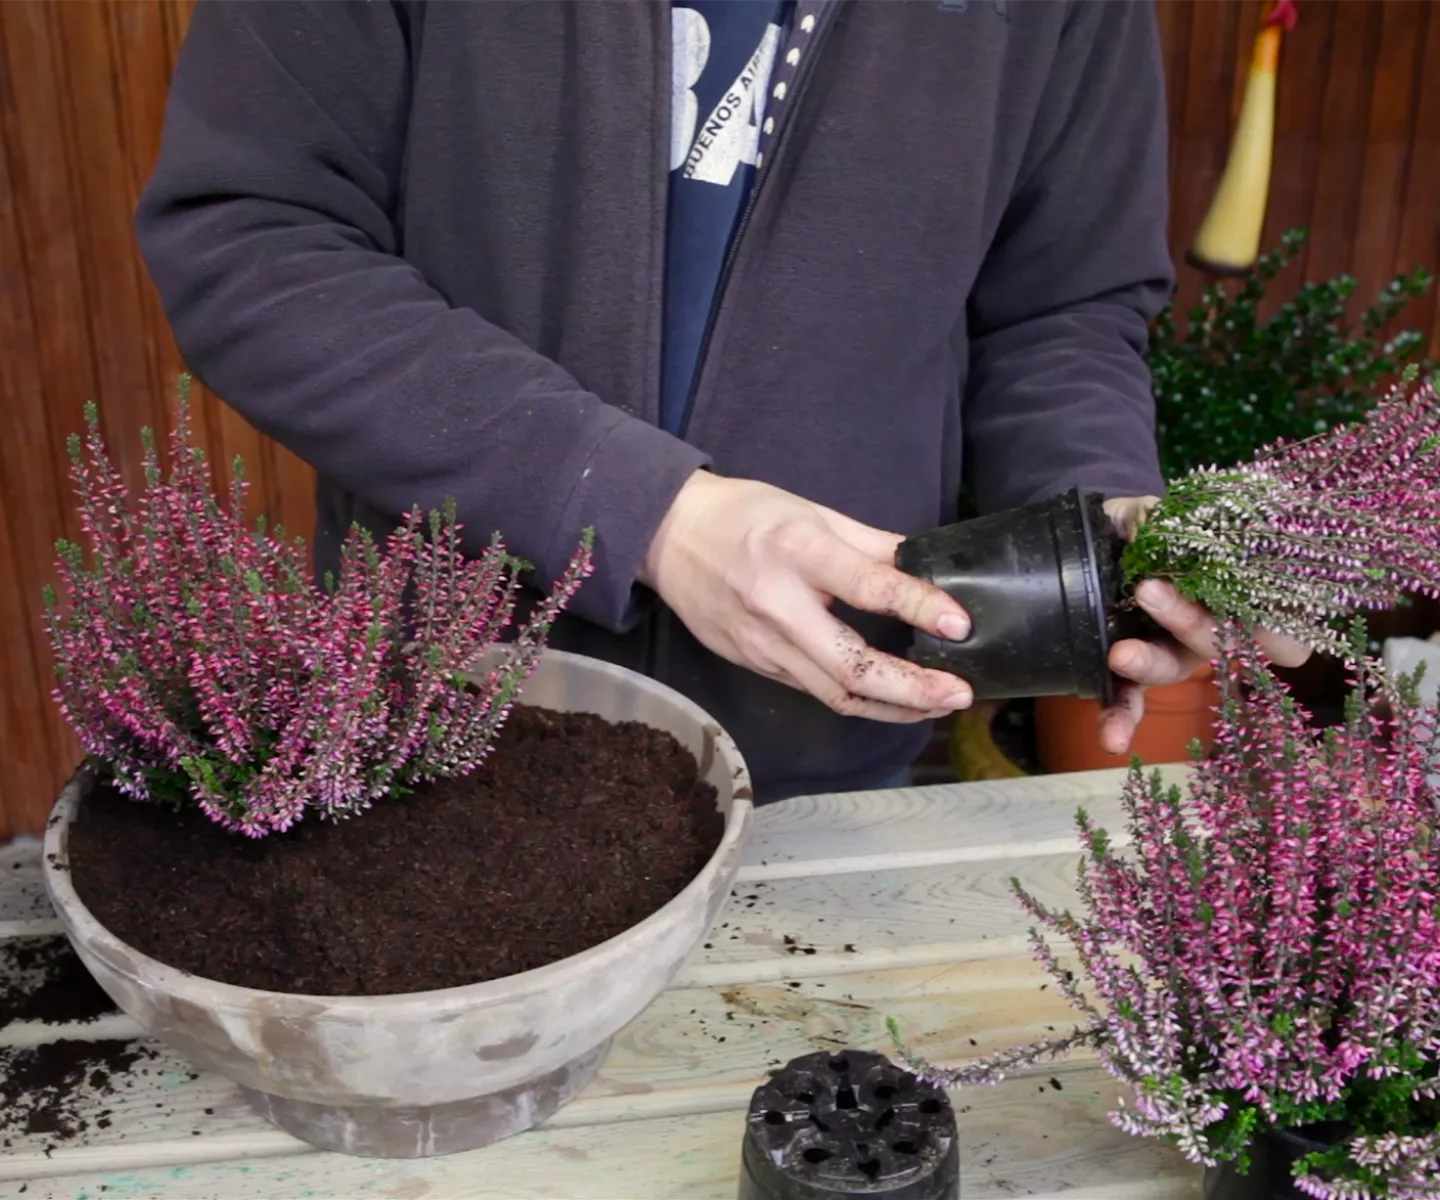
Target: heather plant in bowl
[(1260, 962), (197, 664), (319, 837)]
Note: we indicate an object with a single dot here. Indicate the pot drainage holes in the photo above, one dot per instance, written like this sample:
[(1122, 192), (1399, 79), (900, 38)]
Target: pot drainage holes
[(849, 1125)]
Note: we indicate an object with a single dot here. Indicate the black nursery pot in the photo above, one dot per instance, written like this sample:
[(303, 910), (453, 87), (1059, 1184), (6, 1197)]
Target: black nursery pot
[(849, 1124), (1273, 1155), (1042, 585)]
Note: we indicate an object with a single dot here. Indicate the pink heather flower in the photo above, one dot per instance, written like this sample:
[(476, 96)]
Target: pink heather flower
[(1311, 532), (197, 663), (1266, 951)]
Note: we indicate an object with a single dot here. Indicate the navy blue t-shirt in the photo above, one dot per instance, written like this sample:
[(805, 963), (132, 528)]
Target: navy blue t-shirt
[(724, 53)]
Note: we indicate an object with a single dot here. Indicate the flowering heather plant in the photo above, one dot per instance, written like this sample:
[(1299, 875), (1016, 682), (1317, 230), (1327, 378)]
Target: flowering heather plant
[(197, 662), (1265, 954), (1309, 532)]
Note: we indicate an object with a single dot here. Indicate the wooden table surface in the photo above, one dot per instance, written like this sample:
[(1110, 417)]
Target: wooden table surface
[(850, 909)]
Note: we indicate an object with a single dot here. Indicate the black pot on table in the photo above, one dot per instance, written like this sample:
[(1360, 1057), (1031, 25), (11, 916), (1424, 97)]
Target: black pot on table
[(831, 1126), (1044, 589), (1273, 1155)]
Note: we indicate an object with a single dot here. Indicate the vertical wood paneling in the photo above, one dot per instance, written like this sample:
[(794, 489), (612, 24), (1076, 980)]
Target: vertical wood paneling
[(27, 751), (44, 368), (82, 93), (1419, 216), (87, 75), (1332, 213), (1199, 131), (1394, 89), (1175, 21), (1297, 143)]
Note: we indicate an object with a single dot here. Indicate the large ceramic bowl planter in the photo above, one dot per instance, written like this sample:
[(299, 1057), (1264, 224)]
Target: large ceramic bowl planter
[(434, 1072)]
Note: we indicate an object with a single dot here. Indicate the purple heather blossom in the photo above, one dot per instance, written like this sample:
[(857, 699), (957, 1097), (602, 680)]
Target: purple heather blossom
[(1268, 940), (1310, 532), (197, 663)]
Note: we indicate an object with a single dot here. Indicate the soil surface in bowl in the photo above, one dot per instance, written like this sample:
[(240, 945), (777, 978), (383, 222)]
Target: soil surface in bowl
[(573, 830)]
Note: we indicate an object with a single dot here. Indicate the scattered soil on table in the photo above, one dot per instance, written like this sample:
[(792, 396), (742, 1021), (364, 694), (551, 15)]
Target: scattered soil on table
[(58, 1091), (42, 979), (572, 831)]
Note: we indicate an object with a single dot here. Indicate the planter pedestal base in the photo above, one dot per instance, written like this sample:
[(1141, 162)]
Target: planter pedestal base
[(437, 1129)]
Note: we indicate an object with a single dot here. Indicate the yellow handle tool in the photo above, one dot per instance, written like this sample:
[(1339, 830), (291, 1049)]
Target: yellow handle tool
[(1229, 239)]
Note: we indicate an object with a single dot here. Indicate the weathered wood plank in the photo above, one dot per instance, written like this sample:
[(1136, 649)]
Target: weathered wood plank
[(825, 924), (1022, 1138), (695, 1050), (932, 826)]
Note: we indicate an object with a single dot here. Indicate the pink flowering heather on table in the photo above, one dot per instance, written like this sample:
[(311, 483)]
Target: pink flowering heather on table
[(1310, 532), (1265, 952), (198, 663)]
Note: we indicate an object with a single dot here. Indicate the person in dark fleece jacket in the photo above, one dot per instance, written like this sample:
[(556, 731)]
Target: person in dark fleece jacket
[(750, 286)]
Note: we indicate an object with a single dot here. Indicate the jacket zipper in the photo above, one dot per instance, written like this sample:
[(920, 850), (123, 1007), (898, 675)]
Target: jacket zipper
[(801, 83), (658, 649)]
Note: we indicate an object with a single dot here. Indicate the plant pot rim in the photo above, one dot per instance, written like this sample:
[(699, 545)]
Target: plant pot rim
[(80, 923)]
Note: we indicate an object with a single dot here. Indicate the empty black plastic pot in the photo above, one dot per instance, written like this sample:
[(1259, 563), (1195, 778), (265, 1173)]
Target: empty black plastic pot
[(1042, 585), (849, 1124), (1273, 1155)]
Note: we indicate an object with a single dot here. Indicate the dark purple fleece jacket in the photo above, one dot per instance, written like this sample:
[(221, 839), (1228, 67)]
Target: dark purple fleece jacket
[(421, 244)]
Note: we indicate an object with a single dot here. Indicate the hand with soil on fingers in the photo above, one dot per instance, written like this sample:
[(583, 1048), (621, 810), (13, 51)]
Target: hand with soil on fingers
[(752, 571), (1155, 664)]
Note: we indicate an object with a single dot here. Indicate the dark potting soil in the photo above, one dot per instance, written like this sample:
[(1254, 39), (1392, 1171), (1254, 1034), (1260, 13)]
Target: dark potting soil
[(42, 979), (58, 1090), (572, 831)]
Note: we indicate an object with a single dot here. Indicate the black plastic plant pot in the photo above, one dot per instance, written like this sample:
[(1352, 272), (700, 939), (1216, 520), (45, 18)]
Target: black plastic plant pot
[(1043, 588), (849, 1124), (1273, 1155)]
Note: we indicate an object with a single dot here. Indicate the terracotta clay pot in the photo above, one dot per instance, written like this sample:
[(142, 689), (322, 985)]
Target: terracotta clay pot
[(434, 1072), (1067, 728)]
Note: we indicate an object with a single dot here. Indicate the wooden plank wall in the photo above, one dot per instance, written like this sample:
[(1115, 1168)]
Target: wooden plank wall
[(82, 89)]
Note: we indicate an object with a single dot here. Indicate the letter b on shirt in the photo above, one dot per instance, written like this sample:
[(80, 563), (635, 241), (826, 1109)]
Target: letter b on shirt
[(689, 55)]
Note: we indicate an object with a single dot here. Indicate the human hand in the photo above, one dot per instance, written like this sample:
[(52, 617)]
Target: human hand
[(752, 571), (1192, 641)]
